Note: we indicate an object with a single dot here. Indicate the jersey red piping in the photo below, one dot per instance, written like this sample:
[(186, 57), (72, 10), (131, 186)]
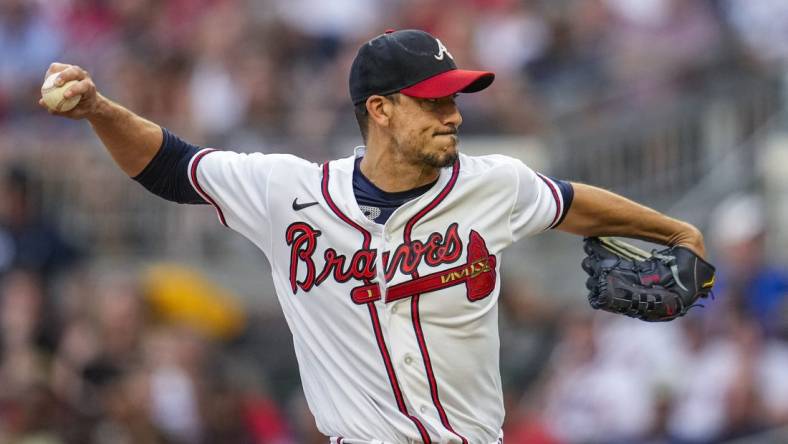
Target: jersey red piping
[(433, 383), (198, 188), (373, 314), (555, 196)]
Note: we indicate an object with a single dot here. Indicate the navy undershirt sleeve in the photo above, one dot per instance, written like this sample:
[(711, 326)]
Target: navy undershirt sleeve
[(167, 174), (568, 194)]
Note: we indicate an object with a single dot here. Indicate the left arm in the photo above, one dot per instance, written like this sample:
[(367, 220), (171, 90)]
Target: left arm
[(597, 212)]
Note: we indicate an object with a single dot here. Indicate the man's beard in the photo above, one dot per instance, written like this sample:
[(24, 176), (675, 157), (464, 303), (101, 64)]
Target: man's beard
[(440, 160)]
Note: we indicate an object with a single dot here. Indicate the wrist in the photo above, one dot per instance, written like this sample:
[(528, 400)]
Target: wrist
[(102, 109), (690, 237)]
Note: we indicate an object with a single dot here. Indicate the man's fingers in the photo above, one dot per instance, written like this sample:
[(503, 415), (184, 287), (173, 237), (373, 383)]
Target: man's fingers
[(72, 72), (67, 73), (55, 67), (81, 87)]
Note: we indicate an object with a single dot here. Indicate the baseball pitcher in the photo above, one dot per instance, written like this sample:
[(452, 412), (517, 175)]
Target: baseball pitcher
[(387, 262)]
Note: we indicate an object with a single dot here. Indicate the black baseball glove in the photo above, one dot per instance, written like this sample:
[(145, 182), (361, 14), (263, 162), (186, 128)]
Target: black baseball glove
[(659, 286)]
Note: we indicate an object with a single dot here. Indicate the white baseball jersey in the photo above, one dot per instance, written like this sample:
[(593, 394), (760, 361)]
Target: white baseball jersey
[(395, 326)]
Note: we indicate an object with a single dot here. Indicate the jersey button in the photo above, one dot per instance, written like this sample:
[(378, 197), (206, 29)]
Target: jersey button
[(423, 409), (408, 359), (394, 309)]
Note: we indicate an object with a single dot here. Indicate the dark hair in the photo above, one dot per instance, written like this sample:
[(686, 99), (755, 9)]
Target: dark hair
[(362, 116)]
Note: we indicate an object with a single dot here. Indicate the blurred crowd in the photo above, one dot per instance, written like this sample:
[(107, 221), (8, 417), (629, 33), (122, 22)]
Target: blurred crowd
[(89, 355), (265, 74)]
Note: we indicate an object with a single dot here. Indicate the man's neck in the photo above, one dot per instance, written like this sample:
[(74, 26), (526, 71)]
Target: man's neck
[(391, 173)]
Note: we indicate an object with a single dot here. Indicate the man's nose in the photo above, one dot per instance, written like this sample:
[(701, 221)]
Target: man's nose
[(452, 116)]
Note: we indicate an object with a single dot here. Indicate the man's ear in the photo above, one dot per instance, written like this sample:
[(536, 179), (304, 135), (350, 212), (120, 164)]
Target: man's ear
[(380, 109)]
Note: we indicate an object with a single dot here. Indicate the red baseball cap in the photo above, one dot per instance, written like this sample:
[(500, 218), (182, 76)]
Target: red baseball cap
[(411, 62)]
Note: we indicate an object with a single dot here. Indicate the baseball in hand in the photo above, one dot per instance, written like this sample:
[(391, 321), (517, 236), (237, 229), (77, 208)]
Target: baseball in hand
[(53, 94)]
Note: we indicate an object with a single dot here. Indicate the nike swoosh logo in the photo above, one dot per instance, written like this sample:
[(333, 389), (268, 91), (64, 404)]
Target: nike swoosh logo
[(300, 206)]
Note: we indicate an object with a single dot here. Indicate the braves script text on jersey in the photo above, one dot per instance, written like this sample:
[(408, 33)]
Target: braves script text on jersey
[(395, 326)]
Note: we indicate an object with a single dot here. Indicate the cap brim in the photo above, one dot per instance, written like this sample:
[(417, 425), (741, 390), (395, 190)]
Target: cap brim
[(450, 82)]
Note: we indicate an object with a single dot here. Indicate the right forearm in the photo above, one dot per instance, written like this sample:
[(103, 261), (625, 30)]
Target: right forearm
[(131, 140)]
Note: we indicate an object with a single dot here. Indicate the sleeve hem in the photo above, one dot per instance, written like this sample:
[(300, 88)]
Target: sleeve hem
[(198, 188), (558, 201), (568, 195)]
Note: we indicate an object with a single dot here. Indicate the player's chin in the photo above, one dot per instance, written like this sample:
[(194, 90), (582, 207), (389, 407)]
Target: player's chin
[(450, 148), (444, 157)]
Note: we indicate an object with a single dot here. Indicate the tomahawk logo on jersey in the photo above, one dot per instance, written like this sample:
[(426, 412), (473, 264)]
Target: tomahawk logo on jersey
[(395, 324)]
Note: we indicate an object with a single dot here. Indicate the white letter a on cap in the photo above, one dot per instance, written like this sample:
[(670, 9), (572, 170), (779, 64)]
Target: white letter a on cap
[(442, 50)]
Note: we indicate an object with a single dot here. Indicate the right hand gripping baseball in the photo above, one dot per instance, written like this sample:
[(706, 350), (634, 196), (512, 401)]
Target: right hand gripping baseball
[(84, 87), (660, 286)]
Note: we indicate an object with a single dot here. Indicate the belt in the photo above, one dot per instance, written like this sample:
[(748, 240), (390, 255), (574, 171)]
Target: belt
[(341, 440)]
